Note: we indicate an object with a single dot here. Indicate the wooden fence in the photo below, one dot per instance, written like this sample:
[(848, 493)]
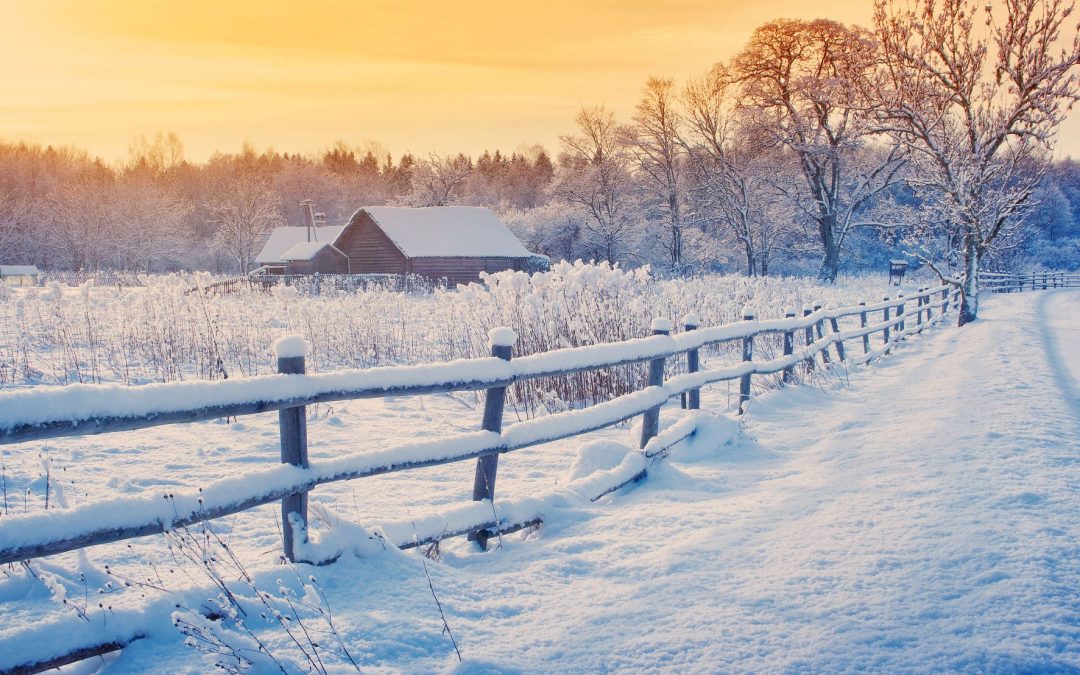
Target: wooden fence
[(997, 282), (856, 334), (318, 283)]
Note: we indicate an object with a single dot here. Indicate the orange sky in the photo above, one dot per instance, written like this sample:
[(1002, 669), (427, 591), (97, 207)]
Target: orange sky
[(416, 76)]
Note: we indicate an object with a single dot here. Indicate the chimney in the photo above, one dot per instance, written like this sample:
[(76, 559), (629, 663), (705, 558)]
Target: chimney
[(307, 211)]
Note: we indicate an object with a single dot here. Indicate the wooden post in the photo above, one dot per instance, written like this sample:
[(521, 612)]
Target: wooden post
[(789, 347), (807, 309), (839, 343), (502, 341), (886, 333), (900, 315), (918, 305), (292, 427), (821, 334), (929, 307), (747, 356), (1044, 281), (650, 420), (693, 363), (862, 324)]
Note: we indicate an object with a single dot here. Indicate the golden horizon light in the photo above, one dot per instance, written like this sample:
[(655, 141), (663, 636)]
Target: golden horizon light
[(412, 76)]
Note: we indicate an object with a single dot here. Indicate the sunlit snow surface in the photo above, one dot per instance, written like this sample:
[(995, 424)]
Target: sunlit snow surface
[(915, 515)]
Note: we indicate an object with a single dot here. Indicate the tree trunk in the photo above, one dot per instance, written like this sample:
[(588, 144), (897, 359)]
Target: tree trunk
[(751, 261), (969, 292), (830, 263)]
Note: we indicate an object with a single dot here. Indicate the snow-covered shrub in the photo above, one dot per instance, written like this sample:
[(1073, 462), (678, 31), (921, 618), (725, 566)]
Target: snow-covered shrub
[(162, 331)]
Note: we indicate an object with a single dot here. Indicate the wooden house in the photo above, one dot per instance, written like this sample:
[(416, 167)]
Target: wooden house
[(19, 275), (455, 243)]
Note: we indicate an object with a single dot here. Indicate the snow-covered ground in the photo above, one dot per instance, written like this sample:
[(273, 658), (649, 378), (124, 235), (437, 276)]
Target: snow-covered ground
[(918, 514)]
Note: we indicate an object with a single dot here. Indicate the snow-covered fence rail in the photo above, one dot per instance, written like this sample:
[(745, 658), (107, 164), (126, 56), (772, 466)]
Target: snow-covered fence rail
[(998, 282), (41, 413)]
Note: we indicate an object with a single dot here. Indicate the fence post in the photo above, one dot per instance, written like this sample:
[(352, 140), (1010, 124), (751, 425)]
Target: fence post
[(502, 346), (747, 356), (806, 310), (929, 307), (862, 324), (693, 364), (900, 315), (919, 304), (789, 347), (292, 428), (1044, 281), (821, 334), (886, 334), (650, 420), (839, 343)]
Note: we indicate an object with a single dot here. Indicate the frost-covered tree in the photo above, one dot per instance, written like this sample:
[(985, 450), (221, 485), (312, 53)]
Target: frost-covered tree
[(244, 208), (654, 144), (595, 175), (977, 94), (801, 86), (730, 173)]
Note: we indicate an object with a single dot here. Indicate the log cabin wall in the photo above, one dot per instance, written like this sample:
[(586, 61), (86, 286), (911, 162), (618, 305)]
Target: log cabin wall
[(369, 249)]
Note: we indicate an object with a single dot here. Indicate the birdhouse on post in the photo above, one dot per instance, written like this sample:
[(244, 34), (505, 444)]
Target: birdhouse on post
[(896, 272)]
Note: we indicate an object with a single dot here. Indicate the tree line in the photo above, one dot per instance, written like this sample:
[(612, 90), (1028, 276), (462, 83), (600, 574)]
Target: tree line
[(818, 146)]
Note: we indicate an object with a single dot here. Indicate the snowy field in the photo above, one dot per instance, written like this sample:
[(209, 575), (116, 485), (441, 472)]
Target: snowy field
[(919, 513)]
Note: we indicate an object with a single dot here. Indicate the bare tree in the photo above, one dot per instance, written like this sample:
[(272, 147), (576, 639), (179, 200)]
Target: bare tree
[(800, 86), (436, 181), (594, 174), (729, 171), (979, 104), (654, 142), (244, 208)]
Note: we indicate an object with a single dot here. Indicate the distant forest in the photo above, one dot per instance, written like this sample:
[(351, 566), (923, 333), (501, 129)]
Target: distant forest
[(809, 153)]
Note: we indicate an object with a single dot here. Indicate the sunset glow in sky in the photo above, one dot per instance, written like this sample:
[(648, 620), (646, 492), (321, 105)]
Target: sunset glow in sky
[(415, 76)]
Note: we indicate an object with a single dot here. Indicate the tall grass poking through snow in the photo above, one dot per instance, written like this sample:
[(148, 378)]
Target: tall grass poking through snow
[(162, 333)]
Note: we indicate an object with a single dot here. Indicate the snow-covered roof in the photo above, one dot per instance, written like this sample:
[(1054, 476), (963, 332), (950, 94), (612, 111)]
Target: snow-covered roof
[(304, 250), (447, 231), (17, 270), (283, 239)]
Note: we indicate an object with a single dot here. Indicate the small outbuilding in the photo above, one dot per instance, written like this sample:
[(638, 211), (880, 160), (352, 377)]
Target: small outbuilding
[(455, 243), (19, 275)]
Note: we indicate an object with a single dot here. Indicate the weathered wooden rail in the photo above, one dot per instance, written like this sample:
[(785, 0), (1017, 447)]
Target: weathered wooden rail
[(998, 282), (35, 414)]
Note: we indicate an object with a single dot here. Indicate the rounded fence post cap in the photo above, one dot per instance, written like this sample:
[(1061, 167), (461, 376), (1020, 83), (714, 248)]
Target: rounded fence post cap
[(661, 324), (502, 337), (692, 319), (290, 347)]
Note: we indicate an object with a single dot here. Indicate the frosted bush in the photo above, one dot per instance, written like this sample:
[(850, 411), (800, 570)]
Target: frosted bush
[(164, 332)]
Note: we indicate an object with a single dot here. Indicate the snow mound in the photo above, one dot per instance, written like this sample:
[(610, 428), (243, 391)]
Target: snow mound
[(692, 319), (600, 455), (501, 337), (290, 346), (660, 323), (713, 433)]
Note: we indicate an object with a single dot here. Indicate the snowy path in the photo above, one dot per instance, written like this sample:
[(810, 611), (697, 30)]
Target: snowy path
[(923, 515)]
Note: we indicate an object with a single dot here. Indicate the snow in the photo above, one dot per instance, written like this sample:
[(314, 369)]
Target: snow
[(18, 270), (660, 325), (282, 239), (502, 337), (305, 250), (290, 346), (915, 515), (692, 319), (447, 231)]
